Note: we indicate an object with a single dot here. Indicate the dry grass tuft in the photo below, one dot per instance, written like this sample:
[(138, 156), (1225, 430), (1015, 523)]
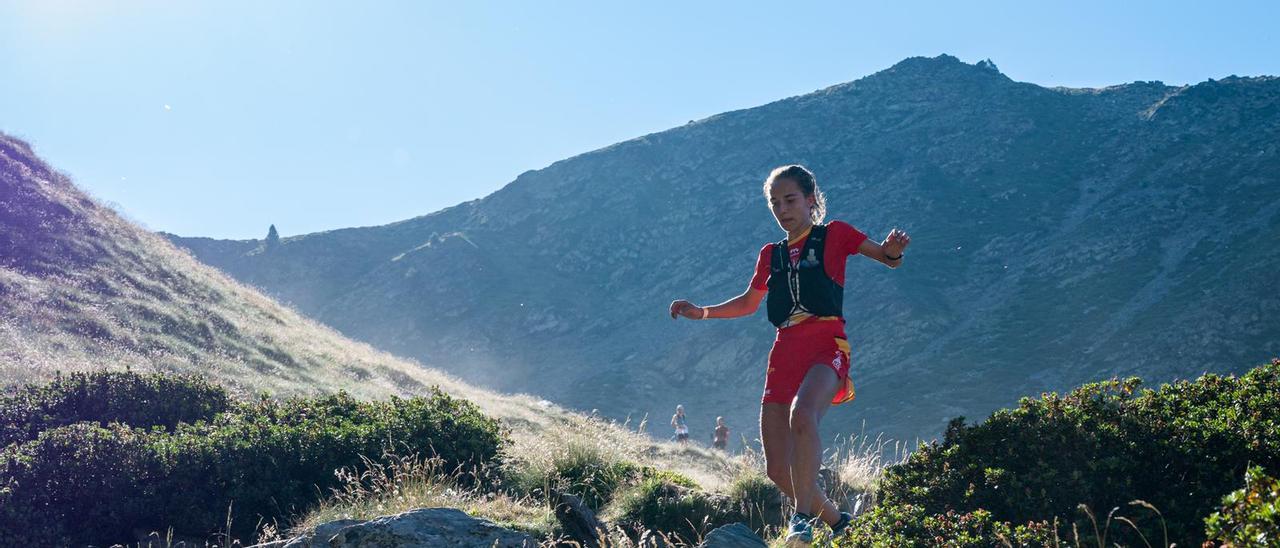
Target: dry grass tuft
[(402, 483)]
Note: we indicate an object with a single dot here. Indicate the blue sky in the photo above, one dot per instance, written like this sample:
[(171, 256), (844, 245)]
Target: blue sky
[(219, 118)]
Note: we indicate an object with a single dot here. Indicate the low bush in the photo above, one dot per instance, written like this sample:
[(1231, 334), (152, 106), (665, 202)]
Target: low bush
[(271, 458), (1178, 447), (264, 460), (674, 478), (139, 400), (1249, 517), (757, 500), (76, 484), (577, 470), (683, 513), (911, 526)]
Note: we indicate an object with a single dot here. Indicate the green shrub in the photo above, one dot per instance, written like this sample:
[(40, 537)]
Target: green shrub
[(1250, 517), (757, 500), (271, 458), (136, 399), (675, 478), (1103, 445), (910, 526), (660, 505), (579, 470), (76, 482), (265, 460)]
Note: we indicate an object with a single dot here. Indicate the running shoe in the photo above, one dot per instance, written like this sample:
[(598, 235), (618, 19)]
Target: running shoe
[(841, 524), (800, 531)]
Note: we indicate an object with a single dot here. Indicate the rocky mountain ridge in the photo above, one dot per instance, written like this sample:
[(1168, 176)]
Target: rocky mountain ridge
[(1059, 236)]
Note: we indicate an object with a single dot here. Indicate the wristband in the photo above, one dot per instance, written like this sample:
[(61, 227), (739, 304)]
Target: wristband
[(898, 258), (705, 311)]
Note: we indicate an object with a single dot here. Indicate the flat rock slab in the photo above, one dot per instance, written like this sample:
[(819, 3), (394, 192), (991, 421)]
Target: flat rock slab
[(319, 537), (735, 535), (579, 522), (424, 527)]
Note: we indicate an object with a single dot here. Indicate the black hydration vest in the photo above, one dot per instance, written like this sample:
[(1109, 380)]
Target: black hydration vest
[(807, 282)]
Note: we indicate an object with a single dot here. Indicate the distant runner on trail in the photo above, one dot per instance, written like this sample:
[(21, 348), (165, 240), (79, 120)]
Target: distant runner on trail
[(720, 437), (803, 277), (681, 424)]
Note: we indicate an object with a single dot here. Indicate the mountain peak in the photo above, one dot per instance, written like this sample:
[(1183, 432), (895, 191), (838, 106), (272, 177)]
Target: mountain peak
[(926, 72), (942, 64)]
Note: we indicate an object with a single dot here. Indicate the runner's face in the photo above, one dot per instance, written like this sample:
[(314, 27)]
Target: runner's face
[(789, 205)]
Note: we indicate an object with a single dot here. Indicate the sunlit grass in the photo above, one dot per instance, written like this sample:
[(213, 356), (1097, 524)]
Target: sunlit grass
[(403, 483)]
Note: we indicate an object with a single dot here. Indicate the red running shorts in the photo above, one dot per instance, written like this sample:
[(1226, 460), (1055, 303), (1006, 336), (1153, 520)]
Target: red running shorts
[(799, 347)]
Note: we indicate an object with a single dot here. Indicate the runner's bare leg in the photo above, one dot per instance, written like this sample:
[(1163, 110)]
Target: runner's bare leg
[(811, 403), (775, 435)]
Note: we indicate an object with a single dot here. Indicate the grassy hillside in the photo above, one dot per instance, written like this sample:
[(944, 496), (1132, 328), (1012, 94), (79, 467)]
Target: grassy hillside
[(83, 289)]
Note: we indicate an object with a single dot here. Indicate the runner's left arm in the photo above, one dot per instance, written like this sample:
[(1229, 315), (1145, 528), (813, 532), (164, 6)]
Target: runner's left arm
[(888, 252)]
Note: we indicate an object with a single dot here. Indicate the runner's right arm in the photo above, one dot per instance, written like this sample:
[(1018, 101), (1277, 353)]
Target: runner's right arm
[(745, 304)]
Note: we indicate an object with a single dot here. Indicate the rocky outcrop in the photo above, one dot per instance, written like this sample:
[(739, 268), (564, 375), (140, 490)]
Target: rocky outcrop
[(317, 537), (654, 539), (579, 522), (424, 527), (734, 535)]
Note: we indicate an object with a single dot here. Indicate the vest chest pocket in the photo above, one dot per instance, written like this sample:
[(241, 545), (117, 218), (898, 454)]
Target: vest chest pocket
[(811, 260)]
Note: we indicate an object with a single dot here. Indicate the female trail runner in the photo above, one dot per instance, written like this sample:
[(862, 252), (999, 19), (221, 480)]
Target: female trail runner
[(808, 368)]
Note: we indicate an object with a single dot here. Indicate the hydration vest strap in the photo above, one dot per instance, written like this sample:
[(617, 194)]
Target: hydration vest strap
[(817, 233), (817, 237), (779, 260)]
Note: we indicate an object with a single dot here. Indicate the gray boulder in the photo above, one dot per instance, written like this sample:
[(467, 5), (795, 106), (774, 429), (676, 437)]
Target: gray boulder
[(319, 537), (423, 527), (579, 522), (735, 535), (429, 527), (653, 539)]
